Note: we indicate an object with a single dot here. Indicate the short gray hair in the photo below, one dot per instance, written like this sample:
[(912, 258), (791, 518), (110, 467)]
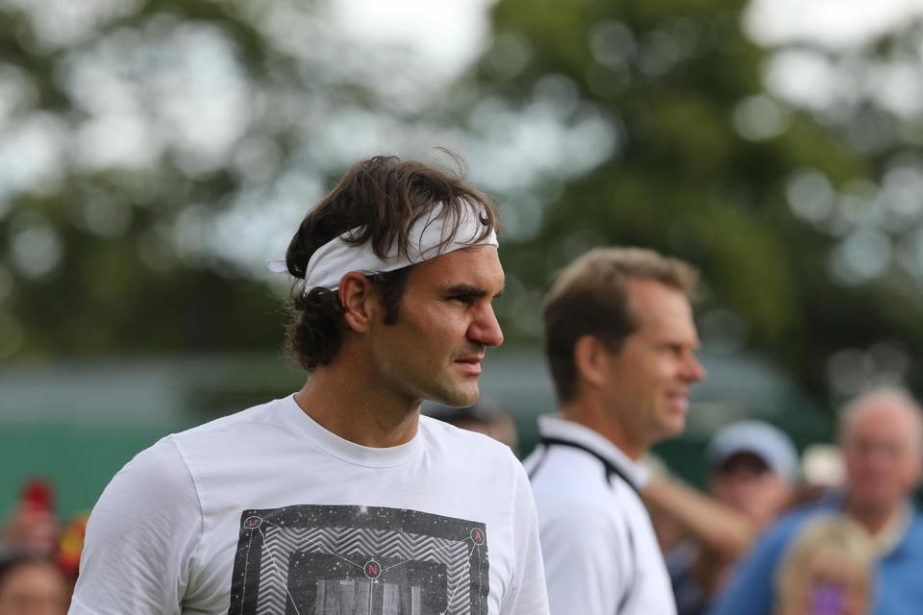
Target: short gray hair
[(897, 396)]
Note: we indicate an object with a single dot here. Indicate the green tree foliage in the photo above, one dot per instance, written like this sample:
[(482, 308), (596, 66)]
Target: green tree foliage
[(132, 132), (129, 132), (709, 166)]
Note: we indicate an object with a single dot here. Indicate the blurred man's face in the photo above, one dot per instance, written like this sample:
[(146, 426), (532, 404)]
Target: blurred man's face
[(33, 589), (745, 483), (649, 378), (881, 446)]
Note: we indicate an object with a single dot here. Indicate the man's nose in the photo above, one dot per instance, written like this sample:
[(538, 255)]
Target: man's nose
[(486, 328), (694, 371)]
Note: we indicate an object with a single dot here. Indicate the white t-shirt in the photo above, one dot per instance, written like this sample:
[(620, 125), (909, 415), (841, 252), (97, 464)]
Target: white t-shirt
[(266, 512), (601, 555)]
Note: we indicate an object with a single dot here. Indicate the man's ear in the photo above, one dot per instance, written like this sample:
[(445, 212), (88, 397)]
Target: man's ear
[(359, 299), (591, 359)]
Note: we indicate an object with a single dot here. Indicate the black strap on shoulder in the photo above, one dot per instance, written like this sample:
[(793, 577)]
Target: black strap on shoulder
[(610, 467)]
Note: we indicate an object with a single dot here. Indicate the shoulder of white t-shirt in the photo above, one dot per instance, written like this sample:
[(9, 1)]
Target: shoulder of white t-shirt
[(261, 413), (476, 443)]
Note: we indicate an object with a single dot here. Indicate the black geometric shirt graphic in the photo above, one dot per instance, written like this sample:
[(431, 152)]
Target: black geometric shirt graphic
[(358, 560)]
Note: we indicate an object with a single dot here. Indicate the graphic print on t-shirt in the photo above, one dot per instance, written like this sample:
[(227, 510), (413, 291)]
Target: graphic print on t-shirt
[(358, 560)]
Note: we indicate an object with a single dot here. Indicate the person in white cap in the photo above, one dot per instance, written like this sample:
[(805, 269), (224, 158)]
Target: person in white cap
[(341, 498), (621, 344), (753, 469)]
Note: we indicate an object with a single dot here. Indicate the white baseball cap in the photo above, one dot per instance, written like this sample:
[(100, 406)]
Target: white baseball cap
[(758, 438)]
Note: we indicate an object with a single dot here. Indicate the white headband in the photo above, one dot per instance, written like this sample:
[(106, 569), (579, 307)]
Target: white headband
[(429, 237)]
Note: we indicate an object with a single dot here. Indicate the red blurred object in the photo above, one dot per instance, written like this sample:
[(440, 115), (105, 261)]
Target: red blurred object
[(32, 528), (38, 495)]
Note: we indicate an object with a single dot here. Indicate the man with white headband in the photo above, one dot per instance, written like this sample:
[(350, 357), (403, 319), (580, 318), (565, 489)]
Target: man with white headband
[(341, 498)]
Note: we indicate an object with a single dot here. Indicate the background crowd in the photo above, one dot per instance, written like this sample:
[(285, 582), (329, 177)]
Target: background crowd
[(769, 535)]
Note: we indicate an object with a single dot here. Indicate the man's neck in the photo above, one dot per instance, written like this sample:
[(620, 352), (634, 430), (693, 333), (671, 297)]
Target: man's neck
[(588, 412), (342, 402), (875, 520)]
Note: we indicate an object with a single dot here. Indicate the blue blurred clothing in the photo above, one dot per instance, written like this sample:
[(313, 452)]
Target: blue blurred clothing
[(689, 593), (898, 590)]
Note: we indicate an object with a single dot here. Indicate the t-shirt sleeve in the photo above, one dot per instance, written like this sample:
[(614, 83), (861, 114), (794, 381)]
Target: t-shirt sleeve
[(527, 594), (141, 537), (584, 563)]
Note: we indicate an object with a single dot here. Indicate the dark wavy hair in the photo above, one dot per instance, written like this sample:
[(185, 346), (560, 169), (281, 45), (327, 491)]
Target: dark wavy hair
[(382, 198)]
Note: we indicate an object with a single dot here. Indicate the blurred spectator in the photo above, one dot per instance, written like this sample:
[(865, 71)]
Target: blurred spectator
[(486, 417), (753, 469), (823, 466), (828, 571), (823, 472), (70, 546), (33, 531), (32, 528), (30, 585), (881, 435)]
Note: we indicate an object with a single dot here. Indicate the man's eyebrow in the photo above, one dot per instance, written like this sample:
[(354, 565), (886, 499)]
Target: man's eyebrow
[(467, 290)]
